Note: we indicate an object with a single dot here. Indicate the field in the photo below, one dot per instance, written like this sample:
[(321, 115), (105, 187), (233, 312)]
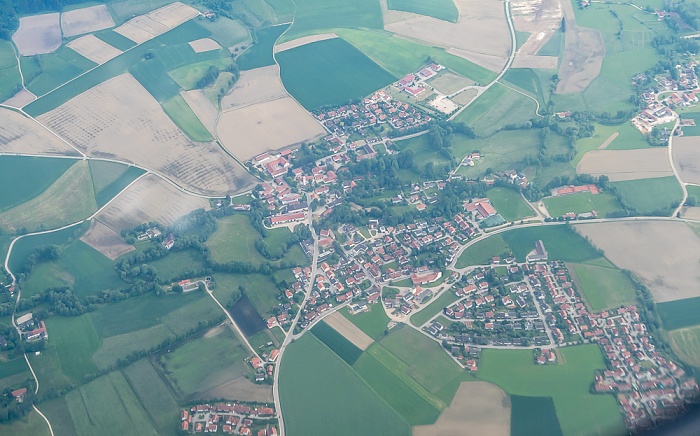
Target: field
[(373, 323), (622, 137), (561, 242), (43, 73), (509, 204), (680, 313), (38, 34), (260, 289), (31, 425), (665, 259), (603, 287), (685, 343), (581, 202), (533, 415), (85, 20), (311, 377), (334, 340), (75, 341), (440, 9), (188, 75), (260, 54), (482, 251), (312, 16), (15, 171), (650, 195), (567, 383), (620, 165), (527, 81), (349, 330), (25, 246), (107, 185), (330, 72), (686, 158), (228, 33), (94, 49), (153, 393), (433, 308), (481, 407), (106, 241), (182, 115), (255, 86), (8, 69), (144, 27)]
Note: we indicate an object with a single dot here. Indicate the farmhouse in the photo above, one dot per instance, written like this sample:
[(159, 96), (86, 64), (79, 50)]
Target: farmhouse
[(539, 254), (287, 218)]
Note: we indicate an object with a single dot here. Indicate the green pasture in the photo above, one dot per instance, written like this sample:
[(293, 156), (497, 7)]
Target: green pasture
[(43, 73), (554, 46), (312, 377), (316, 16), (481, 252), (694, 192), (603, 287), (628, 138), (440, 9), (561, 242), (177, 264), (260, 289), (497, 108), (25, 246), (30, 425), (650, 196), (75, 341), (373, 323), (330, 72), (106, 192), (115, 39), (567, 383), (679, 313), (187, 76), (284, 9), (685, 342), (691, 115), (153, 393), (533, 415), (527, 80), (47, 367), (11, 80), (582, 202), (124, 10), (433, 308), (180, 112), (23, 178), (509, 204), (347, 351), (260, 53), (227, 32)]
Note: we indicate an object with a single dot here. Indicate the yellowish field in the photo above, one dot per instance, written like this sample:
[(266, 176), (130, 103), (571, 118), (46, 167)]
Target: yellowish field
[(686, 344), (106, 241), (19, 134), (204, 44), (38, 34), (303, 41), (465, 97), (479, 20), (686, 158), (119, 119), (269, 125), (200, 104), (144, 27), (21, 99), (664, 255), (241, 388), (86, 20), (621, 165), (692, 213), (349, 330), (94, 49), (449, 83), (541, 18), (254, 86), (149, 199), (481, 407)]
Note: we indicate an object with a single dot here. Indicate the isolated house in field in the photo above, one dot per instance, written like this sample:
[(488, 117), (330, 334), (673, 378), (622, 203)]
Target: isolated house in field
[(539, 254)]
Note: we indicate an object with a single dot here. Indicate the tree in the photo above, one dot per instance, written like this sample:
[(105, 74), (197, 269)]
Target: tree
[(563, 24)]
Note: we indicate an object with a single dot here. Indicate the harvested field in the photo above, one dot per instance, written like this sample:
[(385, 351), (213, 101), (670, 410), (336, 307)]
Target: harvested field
[(94, 49), (541, 18), (154, 23), (21, 99), (686, 157), (481, 407), (19, 134), (539, 62), (663, 254), (465, 97), (349, 330), (584, 51), (241, 389), (692, 213), (204, 44), (254, 86), (479, 20), (86, 20), (120, 119), (106, 241), (200, 104), (149, 199), (621, 165), (271, 125), (38, 34), (449, 83), (303, 41)]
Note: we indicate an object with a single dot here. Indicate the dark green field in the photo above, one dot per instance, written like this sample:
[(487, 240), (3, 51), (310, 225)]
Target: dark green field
[(440, 9), (533, 416), (42, 73), (330, 72), (650, 195), (373, 323), (337, 342), (23, 178), (115, 39), (561, 242), (112, 186), (24, 247), (260, 54), (11, 80), (680, 313), (314, 15), (509, 204)]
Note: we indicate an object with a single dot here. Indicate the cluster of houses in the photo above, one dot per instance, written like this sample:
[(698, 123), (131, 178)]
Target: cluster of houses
[(416, 85), (244, 419), (654, 115), (31, 329)]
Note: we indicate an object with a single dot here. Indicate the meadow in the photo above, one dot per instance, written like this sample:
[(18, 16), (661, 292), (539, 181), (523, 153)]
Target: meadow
[(440, 9), (650, 195), (107, 183), (260, 289), (8, 71), (312, 377), (260, 54), (330, 72), (30, 425), (533, 415), (115, 39), (312, 16), (153, 393), (227, 32), (603, 287), (685, 342), (43, 73), (499, 152), (337, 342), (691, 130), (178, 263), (581, 202), (24, 247), (188, 75), (627, 138), (554, 46), (15, 171), (373, 323), (527, 80), (679, 313), (75, 340), (178, 110), (509, 204), (497, 108), (481, 252), (433, 308), (567, 383)]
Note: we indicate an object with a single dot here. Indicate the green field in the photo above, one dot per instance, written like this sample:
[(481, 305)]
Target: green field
[(227, 32), (582, 202), (75, 340), (109, 179), (260, 289), (685, 342), (23, 178), (330, 72), (11, 80), (650, 195), (679, 313), (498, 107), (440, 9), (313, 16), (628, 138), (433, 308), (260, 54), (509, 204), (312, 377), (155, 396), (283, 8), (691, 115), (528, 81), (180, 112), (373, 323), (347, 351), (25, 246), (43, 73), (187, 76), (694, 191), (567, 383), (31, 425), (603, 287), (533, 415), (481, 252), (115, 39), (554, 46), (125, 10)]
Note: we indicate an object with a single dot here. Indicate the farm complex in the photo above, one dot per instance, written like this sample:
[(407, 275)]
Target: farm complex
[(367, 217)]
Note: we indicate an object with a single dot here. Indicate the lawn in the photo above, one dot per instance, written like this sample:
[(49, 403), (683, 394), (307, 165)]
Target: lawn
[(680, 313), (561, 242), (602, 287), (75, 341), (180, 112), (433, 308), (153, 393), (481, 252), (509, 204), (582, 202), (533, 415), (260, 53), (312, 377), (685, 343), (567, 383), (15, 172), (373, 323), (347, 351), (330, 72), (11, 81), (313, 16), (497, 108), (440, 9), (43, 73), (650, 196)]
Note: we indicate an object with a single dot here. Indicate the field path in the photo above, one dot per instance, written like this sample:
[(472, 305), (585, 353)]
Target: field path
[(675, 170), (608, 141)]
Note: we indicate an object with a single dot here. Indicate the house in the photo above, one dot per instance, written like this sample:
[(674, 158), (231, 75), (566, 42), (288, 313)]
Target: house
[(20, 394), (539, 254)]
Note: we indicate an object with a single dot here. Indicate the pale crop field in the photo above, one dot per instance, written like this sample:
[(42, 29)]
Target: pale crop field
[(106, 241), (86, 20), (202, 107), (254, 86), (94, 49), (19, 134), (204, 44), (621, 165), (686, 157), (38, 34), (303, 41), (144, 27), (349, 330)]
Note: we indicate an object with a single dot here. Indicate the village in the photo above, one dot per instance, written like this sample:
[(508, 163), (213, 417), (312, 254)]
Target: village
[(231, 418)]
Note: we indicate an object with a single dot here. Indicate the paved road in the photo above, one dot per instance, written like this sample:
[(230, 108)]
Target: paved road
[(675, 170)]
